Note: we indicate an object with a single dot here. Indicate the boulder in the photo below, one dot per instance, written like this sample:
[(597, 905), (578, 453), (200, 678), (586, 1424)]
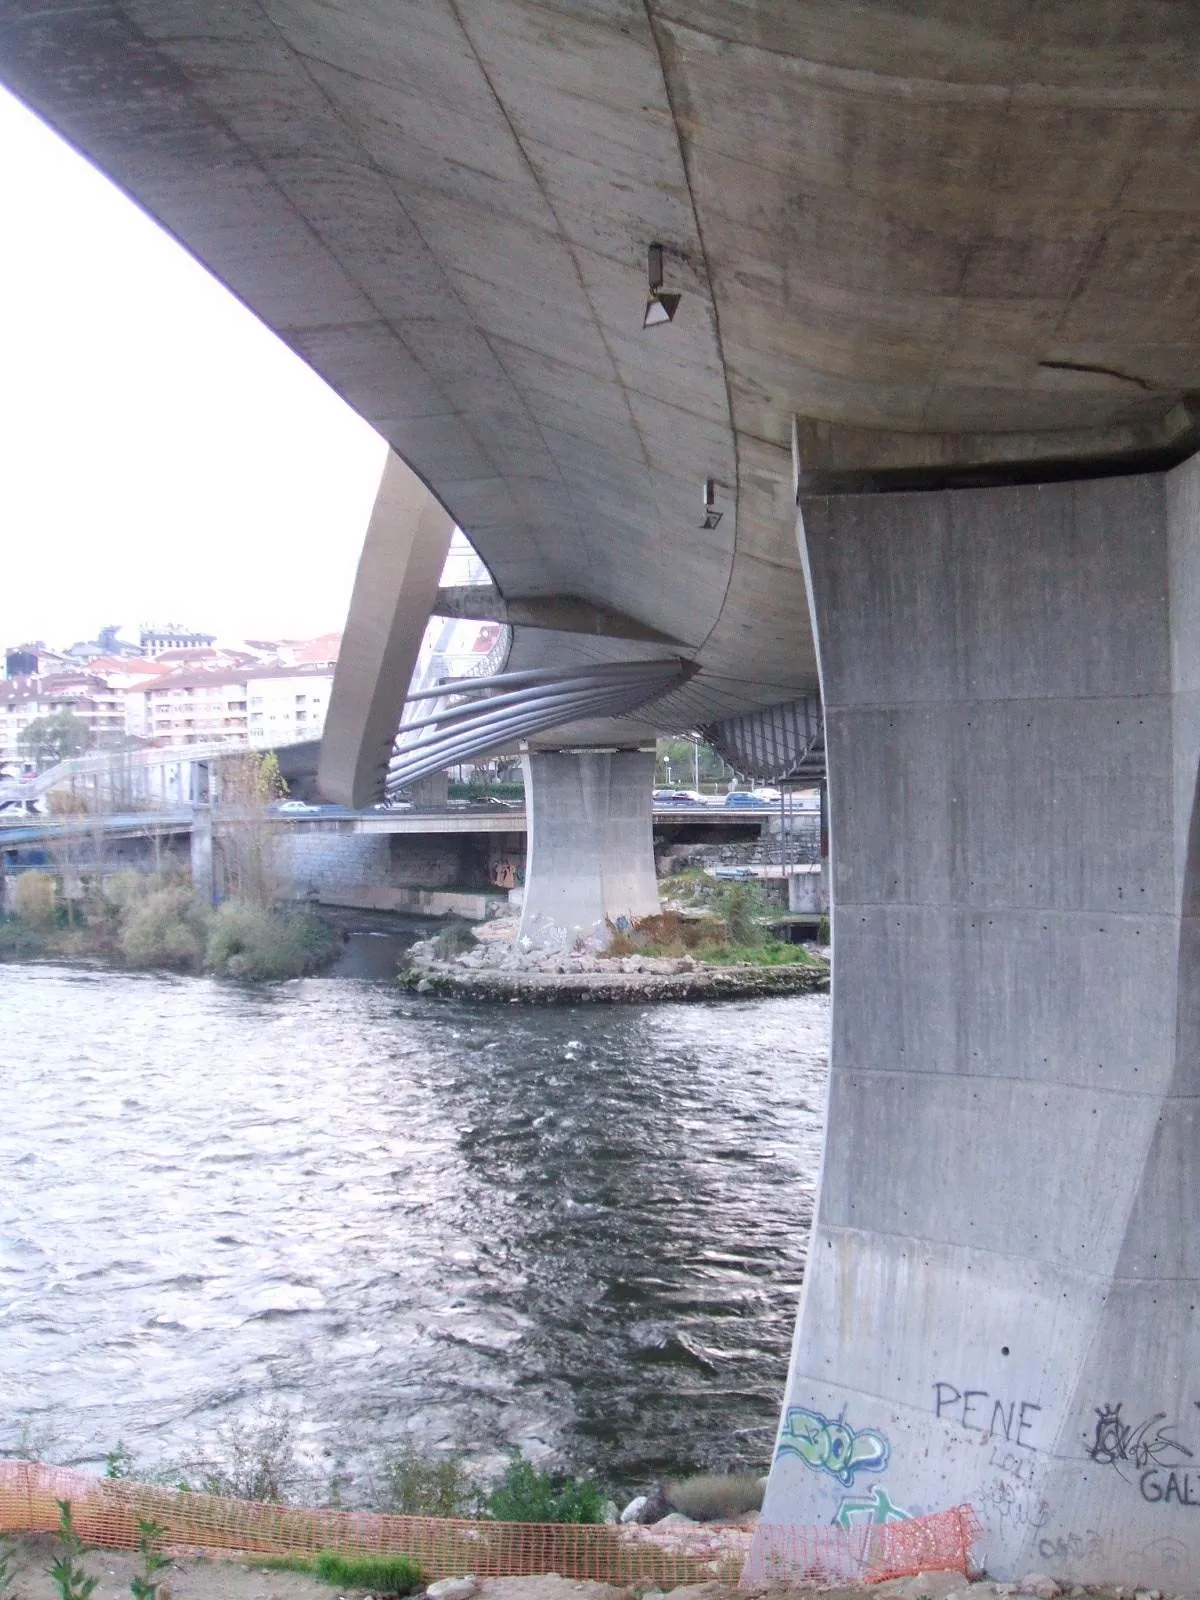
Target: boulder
[(655, 1507), (452, 1588), (633, 1511), (1041, 1585)]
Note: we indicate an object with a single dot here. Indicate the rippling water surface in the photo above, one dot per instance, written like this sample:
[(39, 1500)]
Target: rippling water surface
[(582, 1230)]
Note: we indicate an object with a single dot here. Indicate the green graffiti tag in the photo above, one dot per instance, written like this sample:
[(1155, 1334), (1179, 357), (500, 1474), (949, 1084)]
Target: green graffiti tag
[(830, 1445), (875, 1510)]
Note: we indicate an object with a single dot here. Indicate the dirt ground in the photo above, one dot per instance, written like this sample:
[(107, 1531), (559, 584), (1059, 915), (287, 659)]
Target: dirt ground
[(238, 1580), (204, 1579)]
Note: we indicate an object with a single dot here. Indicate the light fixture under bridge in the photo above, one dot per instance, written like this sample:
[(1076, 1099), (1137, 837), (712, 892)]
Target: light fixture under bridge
[(660, 306), (711, 515)]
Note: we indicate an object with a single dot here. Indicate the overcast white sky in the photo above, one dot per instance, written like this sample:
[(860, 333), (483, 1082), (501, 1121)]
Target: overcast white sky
[(162, 456)]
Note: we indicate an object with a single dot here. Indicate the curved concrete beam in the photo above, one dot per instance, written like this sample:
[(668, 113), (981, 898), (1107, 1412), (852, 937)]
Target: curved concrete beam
[(554, 613), (398, 573)]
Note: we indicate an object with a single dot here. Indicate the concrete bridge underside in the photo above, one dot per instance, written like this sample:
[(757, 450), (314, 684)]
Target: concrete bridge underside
[(951, 252)]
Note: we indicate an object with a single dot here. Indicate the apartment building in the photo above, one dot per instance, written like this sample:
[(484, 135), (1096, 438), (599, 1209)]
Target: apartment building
[(261, 706), (23, 700), (154, 641)]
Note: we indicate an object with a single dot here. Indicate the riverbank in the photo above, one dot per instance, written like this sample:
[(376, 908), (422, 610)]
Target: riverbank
[(492, 963), (611, 983), (156, 922)]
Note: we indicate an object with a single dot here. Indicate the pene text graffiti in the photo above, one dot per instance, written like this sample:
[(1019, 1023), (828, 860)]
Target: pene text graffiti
[(1011, 1420), (830, 1444)]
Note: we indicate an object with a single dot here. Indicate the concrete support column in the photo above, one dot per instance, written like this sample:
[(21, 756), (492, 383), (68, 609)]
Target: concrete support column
[(1003, 1297), (590, 852), (203, 869)]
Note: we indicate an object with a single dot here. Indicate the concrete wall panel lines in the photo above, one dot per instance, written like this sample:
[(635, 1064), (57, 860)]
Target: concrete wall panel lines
[(1004, 803), (971, 594), (1002, 1290)]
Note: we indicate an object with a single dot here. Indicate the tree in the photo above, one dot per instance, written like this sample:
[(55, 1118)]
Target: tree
[(248, 836), (107, 637), (48, 740)]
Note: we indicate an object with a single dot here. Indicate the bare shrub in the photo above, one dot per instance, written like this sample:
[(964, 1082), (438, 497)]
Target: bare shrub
[(35, 898), (413, 1483), (254, 1459), (166, 929), (244, 941), (713, 1497)]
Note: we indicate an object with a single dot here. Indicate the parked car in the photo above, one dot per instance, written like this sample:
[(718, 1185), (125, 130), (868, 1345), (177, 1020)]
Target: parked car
[(745, 801)]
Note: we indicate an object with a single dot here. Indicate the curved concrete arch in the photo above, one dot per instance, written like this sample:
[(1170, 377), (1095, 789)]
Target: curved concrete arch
[(398, 575)]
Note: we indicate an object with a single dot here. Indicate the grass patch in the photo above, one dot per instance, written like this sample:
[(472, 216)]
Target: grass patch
[(771, 953), (384, 1576)]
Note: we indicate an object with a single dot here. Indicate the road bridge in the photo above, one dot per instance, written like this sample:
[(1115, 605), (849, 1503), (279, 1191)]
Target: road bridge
[(940, 314)]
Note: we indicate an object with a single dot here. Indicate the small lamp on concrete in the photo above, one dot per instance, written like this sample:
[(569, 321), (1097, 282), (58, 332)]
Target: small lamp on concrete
[(711, 515), (660, 306)]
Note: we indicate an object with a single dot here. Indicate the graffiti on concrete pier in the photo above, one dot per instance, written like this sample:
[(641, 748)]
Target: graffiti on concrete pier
[(830, 1444)]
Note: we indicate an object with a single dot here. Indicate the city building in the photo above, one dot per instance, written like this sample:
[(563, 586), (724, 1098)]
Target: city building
[(89, 698), (261, 706), (173, 637), (29, 660)]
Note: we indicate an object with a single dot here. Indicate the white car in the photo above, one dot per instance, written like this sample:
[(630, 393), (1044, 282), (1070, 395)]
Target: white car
[(293, 807)]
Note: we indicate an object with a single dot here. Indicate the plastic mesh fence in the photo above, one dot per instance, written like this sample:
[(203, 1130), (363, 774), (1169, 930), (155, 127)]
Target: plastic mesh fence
[(864, 1554), (107, 1513)]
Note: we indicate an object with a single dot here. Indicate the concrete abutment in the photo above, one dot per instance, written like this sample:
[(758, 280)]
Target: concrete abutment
[(590, 844), (1002, 1304)]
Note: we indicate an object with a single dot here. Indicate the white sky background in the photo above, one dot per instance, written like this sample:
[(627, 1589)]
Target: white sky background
[(163, 457)]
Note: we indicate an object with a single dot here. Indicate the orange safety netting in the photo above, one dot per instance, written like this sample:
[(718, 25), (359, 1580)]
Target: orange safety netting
[(864, 1554), (107, 1512)]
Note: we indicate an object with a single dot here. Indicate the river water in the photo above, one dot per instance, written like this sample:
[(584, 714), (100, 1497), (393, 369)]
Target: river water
[(580, 1230)]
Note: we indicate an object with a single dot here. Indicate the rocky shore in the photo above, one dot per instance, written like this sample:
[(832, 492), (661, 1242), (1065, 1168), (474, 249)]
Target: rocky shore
[(499, 966)]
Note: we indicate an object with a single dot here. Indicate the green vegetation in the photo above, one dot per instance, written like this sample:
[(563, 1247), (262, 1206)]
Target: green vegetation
[(255, 1459), (733, 931), (262, 946), (154, 920), (384, 1576), (145, 1584), (410, 1483), (7, 1571), (455, 940), (524, 1494), (483, 789), (49, 740), (119, 1462), (690, 764), (67, 1574)]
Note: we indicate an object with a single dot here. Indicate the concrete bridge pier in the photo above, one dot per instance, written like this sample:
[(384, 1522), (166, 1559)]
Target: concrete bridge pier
[(590, 852), (1002, 1305)]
